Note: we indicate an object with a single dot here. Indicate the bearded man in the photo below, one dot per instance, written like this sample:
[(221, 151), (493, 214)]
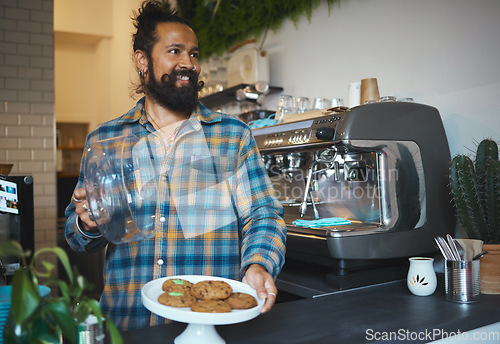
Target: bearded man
[(215, 214)]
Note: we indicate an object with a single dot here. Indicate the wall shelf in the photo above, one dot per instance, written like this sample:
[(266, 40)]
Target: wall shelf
[(70, 144), (229, 95)]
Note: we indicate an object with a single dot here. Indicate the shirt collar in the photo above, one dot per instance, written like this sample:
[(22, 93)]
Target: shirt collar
[(137, 113)]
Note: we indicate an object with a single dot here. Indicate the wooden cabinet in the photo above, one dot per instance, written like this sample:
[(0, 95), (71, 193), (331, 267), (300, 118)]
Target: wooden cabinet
[(70, 144)]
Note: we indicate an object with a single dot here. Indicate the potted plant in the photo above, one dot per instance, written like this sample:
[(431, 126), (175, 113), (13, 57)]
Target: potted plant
[(475, 187), (52, 319)]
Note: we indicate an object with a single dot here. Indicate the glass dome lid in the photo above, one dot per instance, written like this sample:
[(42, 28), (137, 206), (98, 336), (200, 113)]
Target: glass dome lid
[(121, 180)]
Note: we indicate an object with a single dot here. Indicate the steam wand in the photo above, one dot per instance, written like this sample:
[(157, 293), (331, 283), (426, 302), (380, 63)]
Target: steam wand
[(316, 213), (324, 158), (307, 190)]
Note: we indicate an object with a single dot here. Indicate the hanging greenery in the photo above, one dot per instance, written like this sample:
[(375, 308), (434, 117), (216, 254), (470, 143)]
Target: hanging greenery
[(221, 24)]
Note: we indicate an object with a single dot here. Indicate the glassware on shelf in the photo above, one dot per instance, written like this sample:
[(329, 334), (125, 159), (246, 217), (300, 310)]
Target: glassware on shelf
[(286, 106), (303, 104), (321, 103), (336, 102)]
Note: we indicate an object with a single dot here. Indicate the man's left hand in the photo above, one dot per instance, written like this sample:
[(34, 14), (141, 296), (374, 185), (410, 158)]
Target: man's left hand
[(258, 278)]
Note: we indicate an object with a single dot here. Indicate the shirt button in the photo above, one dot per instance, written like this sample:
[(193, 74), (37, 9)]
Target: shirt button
[(160, 261), (162, 219)]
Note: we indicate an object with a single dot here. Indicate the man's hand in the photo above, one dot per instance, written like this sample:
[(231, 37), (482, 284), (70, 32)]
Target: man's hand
[(79, 198), (258, 278)]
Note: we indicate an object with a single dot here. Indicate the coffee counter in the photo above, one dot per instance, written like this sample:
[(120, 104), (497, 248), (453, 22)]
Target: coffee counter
[(362, 315)]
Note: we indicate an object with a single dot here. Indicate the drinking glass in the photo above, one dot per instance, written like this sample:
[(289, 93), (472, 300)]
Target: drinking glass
[(321, 103), (286, 106), (303, 104), (336, 102)]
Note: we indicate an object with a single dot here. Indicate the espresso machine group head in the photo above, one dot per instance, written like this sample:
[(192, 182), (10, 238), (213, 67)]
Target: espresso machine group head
[(382, 166)]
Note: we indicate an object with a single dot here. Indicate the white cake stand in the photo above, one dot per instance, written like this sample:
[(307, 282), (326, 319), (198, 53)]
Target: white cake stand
[(200, 327)]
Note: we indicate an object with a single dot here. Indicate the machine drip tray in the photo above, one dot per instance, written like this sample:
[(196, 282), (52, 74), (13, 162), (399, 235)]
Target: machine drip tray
[(306, 280), (366, 277)]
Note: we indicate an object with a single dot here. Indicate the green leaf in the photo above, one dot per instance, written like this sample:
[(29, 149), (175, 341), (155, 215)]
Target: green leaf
[(61, 255), (11, 249), (25, 297), (222, 24), (82, 310), (64, 291), (64, 319), (48, 266), (95, 307), (46, 338), (116, 337)]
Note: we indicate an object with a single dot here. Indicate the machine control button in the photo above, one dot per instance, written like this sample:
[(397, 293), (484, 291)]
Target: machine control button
[(325, 133)]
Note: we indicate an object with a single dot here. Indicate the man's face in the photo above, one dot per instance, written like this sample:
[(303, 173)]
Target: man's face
[(171, 80)]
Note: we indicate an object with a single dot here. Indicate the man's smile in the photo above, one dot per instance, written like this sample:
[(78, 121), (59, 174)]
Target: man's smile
[(183, 79)]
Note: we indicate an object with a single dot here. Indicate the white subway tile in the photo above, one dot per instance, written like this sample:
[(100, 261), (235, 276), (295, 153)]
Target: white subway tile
[(9, 95), (31, 143), (29, 50), (27, 119), (45, 201), (18, 131), (17, 60), (17, 107), (44, 178), (8, 71), (9, 118), (30, 96), (17, 13), (31, 166), (9, 142), (17, 84), (43, 62), (44, 17), (31, 5), (16, 37), (39, 85), (42, 108), (30, 73), (19, 154), (42, 132)]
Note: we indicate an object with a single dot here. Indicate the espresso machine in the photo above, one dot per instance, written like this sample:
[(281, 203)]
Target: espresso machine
[(382, 167)]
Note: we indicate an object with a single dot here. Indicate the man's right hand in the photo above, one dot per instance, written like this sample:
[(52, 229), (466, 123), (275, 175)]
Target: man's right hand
[(82, 209)]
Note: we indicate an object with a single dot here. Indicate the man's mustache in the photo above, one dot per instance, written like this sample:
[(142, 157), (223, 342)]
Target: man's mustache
[(189, 73)]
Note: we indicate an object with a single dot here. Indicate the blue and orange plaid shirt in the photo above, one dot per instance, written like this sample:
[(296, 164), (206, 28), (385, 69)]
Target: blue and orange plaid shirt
[(215, 211)]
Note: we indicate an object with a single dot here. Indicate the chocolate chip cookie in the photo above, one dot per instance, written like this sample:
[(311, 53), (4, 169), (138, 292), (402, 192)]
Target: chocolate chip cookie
[(177, 299), (241, 301), (176, 284), (212, 290), (211, 306)]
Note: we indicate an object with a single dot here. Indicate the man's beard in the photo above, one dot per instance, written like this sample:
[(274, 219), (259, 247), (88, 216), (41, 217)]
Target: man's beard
[(166, 93)]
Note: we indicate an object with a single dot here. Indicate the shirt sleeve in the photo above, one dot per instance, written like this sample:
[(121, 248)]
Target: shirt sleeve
[(262, 228)]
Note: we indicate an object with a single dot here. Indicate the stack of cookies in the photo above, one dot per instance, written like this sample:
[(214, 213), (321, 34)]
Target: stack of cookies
[(207, 296)]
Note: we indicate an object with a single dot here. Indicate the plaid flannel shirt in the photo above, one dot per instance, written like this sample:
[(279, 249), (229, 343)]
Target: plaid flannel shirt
[(215, 214)]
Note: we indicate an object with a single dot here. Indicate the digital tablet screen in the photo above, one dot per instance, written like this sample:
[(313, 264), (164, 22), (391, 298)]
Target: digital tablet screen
[(8, 197)]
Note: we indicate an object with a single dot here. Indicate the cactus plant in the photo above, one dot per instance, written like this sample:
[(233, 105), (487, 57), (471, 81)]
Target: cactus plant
[(476, 190)]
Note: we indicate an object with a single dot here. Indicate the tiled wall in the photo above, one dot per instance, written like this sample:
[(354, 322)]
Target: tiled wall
[(27, 125)]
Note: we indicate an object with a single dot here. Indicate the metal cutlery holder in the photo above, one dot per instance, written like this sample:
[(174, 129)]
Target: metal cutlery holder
[(462, 281)]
